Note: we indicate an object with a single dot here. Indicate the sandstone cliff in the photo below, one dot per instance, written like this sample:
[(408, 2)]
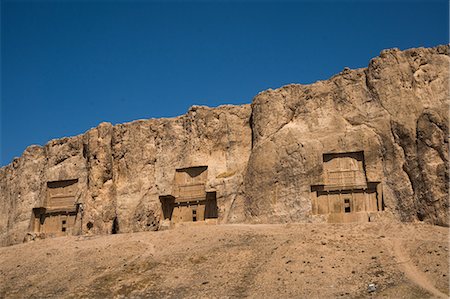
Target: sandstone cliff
[(262, 159), (395, 110), (122, 169)]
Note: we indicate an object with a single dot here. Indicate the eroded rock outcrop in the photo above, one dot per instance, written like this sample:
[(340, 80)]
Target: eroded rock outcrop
[(386, 125), (395, 111), (122, 170)]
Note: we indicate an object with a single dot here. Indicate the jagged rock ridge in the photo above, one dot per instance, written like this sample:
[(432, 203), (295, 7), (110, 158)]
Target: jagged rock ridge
[(263, 160)]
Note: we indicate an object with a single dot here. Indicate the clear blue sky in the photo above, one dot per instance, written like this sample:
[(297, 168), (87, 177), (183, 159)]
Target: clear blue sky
[(66, 66)]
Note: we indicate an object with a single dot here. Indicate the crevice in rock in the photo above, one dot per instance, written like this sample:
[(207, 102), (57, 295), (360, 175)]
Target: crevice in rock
[(402, 140), (250, 122), (60, 160), (115, 226)]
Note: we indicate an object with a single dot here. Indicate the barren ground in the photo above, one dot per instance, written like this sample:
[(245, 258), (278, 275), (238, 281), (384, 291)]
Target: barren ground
[(234, 261)]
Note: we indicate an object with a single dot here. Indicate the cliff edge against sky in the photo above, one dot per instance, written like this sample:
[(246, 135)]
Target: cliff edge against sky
[(366, 145)]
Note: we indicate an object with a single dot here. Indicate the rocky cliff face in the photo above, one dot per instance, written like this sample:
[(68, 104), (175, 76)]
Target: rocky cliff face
[(396, 111), (262, 159), (122, 170)]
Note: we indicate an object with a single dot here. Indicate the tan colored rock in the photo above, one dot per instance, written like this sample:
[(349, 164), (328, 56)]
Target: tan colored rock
[(395, 111), (265, 161), (122, 170)]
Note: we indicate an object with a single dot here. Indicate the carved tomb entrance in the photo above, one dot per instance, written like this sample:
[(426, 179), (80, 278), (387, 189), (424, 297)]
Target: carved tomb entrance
[(189, 201), (346, 195), (58, 214)]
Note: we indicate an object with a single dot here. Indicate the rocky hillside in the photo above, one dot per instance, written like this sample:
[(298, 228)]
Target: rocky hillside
[(262, 158), (235, 261)]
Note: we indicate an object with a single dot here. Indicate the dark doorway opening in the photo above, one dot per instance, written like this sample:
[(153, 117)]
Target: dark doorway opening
[(168, 204), (211, 205), (347, 208)]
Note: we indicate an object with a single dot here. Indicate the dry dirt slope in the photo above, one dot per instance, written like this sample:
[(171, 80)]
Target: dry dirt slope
[(234, 261)]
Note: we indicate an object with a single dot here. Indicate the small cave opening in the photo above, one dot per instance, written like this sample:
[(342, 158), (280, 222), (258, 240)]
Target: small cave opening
[(421, 215), (115, 226), (90, 225)]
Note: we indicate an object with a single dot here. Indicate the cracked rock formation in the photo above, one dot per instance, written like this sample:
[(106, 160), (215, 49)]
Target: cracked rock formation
[(263, 160), (395, 110)]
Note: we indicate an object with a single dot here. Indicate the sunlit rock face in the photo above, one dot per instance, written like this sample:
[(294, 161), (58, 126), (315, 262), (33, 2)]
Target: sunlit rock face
[(366, 145), (123, 170), (395, 111)]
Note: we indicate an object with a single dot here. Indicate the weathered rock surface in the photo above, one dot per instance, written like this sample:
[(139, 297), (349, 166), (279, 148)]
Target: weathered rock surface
[(262, 159), (122, 169), (396, 111)]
